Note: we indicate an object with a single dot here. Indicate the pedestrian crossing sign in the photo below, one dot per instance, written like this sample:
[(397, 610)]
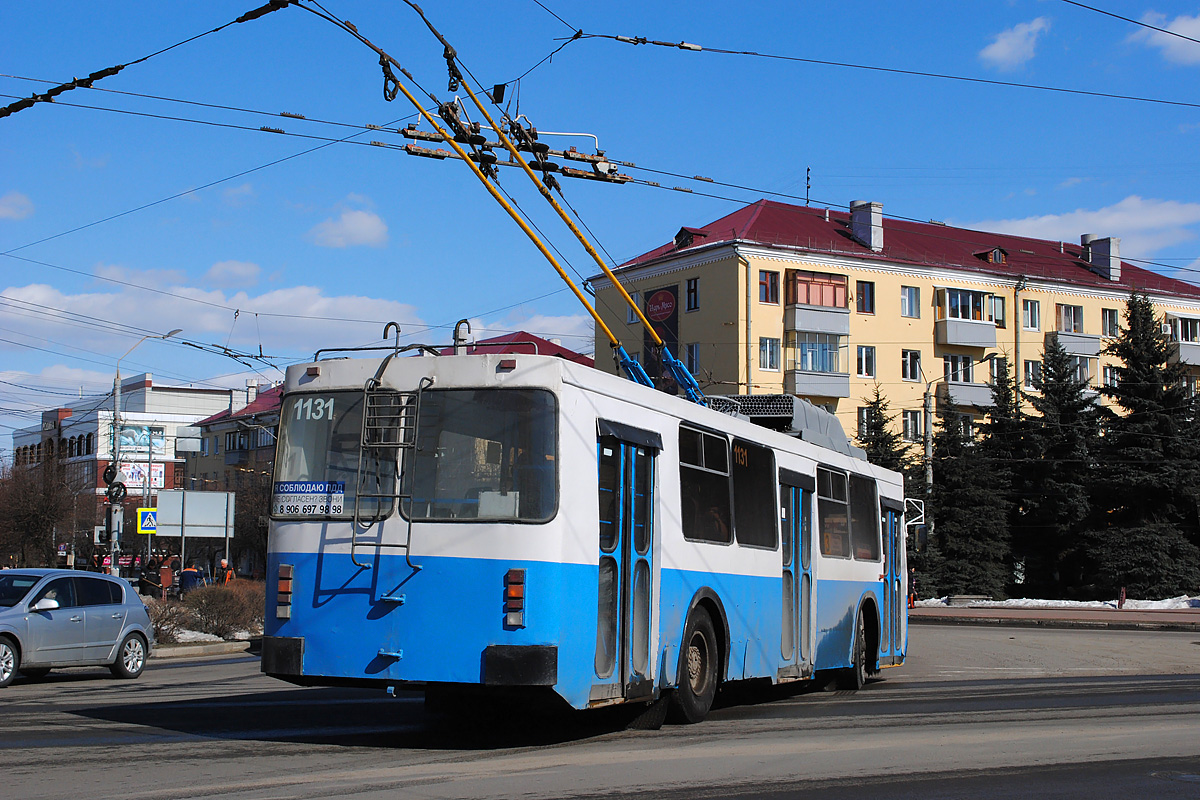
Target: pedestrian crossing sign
[(147, 520)]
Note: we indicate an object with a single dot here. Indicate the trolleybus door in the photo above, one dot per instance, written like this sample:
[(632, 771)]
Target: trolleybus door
[(891, 642), (796, 525), (624, 613)]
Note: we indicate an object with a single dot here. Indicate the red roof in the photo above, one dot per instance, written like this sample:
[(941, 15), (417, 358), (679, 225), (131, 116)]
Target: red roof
[(522, 342), (926, 244), (267, 400)]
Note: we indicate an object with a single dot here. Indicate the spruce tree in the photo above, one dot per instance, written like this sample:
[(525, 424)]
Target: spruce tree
[(968, 552), (1147, 539), (1063, 442), (1004, 441), (883, 444)]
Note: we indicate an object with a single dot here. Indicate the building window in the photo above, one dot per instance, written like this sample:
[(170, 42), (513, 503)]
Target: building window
[(693, 294), (1110, 324), (768, 287), (865, 297), (999, 366), (691, 358), (1081, 366), (997, 309), (1031, 315), (911, 422), (910, 365), (1070, 318), (1033, 375), (864, 420), (1186, 329), (967, 425), (204, 445), (961, 304), (636, 358), (768, 353), (814, 352), (910, 301), (1110, 376), (630, 315), (866, 361), (217, 445), (816, 289), (958, 369)]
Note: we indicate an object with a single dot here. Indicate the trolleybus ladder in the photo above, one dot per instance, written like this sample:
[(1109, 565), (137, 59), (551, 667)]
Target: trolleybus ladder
[(389, 428)]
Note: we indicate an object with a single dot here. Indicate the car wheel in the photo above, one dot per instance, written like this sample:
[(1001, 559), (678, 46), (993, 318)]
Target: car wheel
[(856, 676), (697, 670), (35, 672), (10, 661), (131, 657)]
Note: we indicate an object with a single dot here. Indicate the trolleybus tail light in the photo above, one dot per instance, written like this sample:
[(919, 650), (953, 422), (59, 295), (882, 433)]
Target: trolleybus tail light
[(283, 593), (514, 598)]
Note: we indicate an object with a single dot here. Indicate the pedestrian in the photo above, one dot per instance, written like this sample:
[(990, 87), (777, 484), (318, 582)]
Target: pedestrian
[(191, 578), (912, 587), (225, 574)]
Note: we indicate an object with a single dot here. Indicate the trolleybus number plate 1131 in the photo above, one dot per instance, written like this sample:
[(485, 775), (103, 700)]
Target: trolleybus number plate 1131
[(308, 498)]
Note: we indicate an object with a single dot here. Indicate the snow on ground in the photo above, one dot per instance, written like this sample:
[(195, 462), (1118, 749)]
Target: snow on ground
[(195, 636), (1183, 601)]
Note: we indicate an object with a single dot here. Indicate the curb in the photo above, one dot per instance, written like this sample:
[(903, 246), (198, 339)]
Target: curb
[(201, 649), (1028, 622)]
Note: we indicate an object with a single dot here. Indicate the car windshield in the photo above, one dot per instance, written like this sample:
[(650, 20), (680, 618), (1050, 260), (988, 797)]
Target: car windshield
[(14, 586)]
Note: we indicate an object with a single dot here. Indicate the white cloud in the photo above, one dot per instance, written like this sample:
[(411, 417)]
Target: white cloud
[(228, 274), (1069, 182), (1014, 47), (1174, 49), (352, 228), (14, 205), (1144, 225), (238, 196), (156, 278)]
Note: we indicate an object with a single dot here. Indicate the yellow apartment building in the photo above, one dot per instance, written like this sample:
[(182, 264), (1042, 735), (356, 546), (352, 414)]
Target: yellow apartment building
[(780, 299)]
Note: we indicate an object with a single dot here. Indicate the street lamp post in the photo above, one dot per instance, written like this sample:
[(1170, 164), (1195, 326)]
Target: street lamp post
[(116, 431)]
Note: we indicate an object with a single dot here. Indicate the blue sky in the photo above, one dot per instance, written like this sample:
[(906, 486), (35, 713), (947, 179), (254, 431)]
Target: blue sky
[(321, 249)]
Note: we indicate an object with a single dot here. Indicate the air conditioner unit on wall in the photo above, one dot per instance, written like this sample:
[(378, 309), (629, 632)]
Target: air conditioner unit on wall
[(1166, 328)]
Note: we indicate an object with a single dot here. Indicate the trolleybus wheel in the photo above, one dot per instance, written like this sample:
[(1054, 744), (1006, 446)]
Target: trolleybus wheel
[(697, 670), (854, 677)]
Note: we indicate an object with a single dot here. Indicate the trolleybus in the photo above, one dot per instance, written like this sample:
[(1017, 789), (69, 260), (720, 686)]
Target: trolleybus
[(522, 523)]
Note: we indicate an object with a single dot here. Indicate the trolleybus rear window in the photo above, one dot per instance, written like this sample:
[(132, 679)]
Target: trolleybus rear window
[(484, 454), (317, 463)]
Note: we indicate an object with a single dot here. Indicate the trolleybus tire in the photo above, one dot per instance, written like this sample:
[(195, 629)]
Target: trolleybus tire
[(856, 676), (131, 657), (10, 661), (698, 658)]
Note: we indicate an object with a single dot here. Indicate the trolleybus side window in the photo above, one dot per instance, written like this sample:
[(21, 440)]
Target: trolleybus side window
[(833, 513), (754, 494), (484, 454), (316, 467), (704, 485), (864, 518)]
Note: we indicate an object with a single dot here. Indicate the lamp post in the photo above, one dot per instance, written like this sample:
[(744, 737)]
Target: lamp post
[(116, 429)]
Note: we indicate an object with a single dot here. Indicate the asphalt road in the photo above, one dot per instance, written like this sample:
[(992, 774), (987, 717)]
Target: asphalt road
[(978, 712)]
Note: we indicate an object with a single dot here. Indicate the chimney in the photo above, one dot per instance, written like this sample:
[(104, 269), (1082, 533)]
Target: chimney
[(1103, 255), (251, 391), (866, 223)]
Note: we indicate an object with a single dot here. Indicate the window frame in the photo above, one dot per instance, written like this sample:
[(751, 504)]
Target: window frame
[(631, 317), (954, 365), (1068, 315), (1031, 315), (1031, 374), (768, 287), (910, 419), (910, 302), (692, 294), (910, 365), (703, 468), (1110, 322), (771, 354), (865, 361), (864, 297)]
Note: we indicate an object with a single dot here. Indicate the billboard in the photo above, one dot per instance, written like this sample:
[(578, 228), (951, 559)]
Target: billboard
[(137, 439), (136, 474)]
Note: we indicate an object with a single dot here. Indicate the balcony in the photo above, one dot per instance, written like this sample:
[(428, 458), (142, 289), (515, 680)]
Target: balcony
[(976, 395), (1077, 344), (1187, 353), (965, 332), (236, 457), (816, 384), (817, 319)]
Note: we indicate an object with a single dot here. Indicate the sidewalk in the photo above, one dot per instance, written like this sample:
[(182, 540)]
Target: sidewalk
[(1187, 619), (199, 649)]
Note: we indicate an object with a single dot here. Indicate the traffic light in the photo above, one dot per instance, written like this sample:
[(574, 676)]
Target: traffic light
[(113, 517), (116, 489)]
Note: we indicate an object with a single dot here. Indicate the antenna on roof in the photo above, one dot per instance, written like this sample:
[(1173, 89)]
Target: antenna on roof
[(807, 183)]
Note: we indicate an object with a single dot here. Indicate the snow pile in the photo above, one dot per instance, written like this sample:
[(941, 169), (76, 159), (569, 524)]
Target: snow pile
[(1183, 601)]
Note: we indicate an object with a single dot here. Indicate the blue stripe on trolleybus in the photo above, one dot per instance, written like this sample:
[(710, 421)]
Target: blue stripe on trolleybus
[(391, 624)]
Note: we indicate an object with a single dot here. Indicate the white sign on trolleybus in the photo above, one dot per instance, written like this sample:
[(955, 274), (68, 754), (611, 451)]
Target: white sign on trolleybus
[(304, 498)]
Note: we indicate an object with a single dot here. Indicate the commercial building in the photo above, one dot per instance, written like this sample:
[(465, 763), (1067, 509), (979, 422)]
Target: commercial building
[(237, 445), (777, 298)]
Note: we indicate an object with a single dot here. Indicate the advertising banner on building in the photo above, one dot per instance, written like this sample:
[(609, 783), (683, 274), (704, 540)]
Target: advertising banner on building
[(138, 439), (137, 475), (662, 309)]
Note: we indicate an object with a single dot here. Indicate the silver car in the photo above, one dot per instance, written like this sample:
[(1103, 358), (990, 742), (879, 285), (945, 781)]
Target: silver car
[(63, 618)]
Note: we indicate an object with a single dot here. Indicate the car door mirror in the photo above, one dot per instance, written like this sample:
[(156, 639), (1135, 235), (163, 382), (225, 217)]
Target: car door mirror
[(45, 604)]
